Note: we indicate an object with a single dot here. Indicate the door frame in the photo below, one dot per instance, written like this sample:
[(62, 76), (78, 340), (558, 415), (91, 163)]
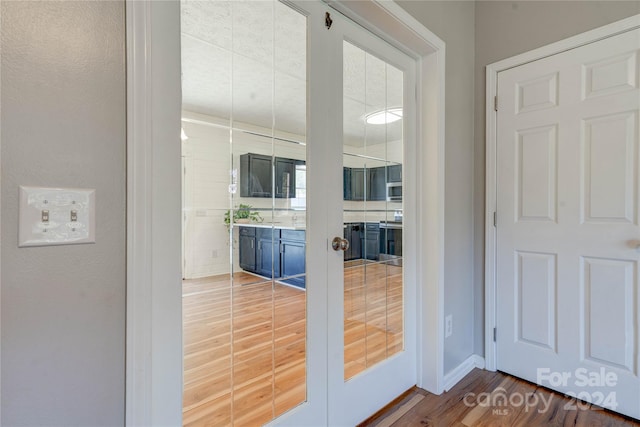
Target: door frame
[(492, 70), (154, 325)]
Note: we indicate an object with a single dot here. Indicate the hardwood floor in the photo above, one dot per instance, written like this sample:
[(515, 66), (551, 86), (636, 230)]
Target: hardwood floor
[(244, 345), (244, 350), (244, 358), (373, 315), (542, 407)]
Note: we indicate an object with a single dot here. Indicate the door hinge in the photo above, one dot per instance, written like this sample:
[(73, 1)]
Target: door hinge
[(495, 102), (495, 219), (495, 334)]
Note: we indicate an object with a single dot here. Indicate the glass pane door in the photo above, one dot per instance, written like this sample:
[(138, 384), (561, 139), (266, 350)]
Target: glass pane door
[(293, 134), (244, 148), (373, 210), (372, 349)]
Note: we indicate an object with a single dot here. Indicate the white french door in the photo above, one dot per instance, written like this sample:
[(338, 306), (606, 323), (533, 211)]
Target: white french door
[(359, 307), (568, 234), (372, 353), (361, 337)]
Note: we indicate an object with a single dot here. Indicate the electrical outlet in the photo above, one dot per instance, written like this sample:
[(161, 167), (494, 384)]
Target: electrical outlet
[(448, 326), (214, 253)]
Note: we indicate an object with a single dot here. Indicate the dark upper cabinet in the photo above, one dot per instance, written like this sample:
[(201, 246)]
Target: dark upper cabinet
[(247, 248), (358, 184), (285, 178), (377, 184), (256, 173), (366, 184), (346, 183), (394, 173)]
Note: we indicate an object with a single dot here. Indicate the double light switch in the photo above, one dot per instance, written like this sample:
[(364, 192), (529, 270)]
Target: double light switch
[(56, 216)]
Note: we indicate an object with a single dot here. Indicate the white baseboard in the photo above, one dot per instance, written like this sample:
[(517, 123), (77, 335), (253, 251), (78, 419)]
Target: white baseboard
[(461, 371)]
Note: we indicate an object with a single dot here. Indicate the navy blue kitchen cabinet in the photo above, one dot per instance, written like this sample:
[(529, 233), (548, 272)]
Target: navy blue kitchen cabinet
[(394, 173), (391, 241), (371, 241), (377, 184), (256, 173), (285, 178), (358, 184), (247, 248), (365, 183), (273, 253), (353, 232), (268, 254), (292, 256), (346, 183)]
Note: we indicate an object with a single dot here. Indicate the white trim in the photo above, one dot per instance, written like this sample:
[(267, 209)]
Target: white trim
[(0, 234), (413, 38), (151, 359), (408, 34), (139, 146), (492, 71), (462, 370), (154, 340)]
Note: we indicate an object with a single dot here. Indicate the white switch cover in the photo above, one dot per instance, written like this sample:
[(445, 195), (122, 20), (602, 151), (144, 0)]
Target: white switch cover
[(56, 216)]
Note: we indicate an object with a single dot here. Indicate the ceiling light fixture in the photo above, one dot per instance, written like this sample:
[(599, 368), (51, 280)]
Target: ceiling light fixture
[(384, 116), (183, 136)]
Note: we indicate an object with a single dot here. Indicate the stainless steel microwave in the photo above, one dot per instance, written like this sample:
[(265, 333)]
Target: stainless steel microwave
[(394, 191)]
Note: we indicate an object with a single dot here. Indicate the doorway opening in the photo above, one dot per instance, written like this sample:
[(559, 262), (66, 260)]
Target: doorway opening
[(244, 155), (154, 267)]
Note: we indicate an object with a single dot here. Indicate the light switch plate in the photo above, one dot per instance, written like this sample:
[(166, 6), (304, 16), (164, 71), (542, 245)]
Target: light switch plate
[(56, 216)]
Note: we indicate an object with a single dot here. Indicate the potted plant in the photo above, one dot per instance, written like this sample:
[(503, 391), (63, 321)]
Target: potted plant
[(242, 215)]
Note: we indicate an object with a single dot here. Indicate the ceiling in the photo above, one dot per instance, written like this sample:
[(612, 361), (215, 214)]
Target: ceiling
[(236, 63)]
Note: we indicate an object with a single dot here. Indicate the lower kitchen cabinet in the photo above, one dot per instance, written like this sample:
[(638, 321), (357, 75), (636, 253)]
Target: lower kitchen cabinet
[(247, 248), (391, 241), (353, 233), (292, 256), (372, 242), (268, 254), (273, 253)]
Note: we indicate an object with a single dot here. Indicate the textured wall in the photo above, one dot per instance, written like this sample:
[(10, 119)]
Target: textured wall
[(63, 124)]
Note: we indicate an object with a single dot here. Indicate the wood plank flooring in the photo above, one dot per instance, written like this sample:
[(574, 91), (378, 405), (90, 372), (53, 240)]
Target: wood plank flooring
[(244, 350), (244, 345), (543, 408)]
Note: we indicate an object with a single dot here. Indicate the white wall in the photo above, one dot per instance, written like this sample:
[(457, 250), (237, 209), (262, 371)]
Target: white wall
[(63, 124)]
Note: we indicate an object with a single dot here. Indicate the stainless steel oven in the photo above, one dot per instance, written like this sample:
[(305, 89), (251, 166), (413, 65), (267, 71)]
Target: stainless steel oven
[(394, 191)]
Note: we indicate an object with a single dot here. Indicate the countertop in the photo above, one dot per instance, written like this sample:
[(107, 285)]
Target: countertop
[(289, 226), (275, 225)]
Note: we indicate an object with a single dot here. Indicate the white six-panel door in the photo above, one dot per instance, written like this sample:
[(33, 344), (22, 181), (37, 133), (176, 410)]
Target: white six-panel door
[(568, 231)]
